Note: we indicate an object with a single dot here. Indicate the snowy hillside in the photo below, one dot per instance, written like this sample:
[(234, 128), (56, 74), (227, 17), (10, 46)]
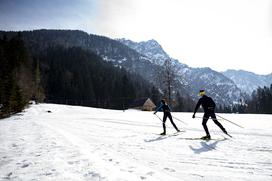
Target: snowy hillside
[(248, 81), (79, 143), (151, 49), (220, 87)]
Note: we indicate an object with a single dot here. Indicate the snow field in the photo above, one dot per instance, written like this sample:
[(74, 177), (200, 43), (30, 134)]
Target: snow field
[(80, 143)]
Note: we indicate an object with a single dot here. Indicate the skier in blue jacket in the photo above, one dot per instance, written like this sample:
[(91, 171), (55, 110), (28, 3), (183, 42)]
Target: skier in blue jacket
[(166, 113)]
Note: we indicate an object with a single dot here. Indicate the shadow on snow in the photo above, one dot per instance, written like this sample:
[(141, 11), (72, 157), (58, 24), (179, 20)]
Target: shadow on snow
[(159, 138), (205, 147)]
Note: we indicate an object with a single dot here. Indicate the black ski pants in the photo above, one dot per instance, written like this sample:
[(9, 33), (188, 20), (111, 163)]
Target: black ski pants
[(206, 116), (165, 115)]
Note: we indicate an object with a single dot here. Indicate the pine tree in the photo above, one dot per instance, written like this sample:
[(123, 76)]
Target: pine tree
[(16, 100), (15, 89), (38, 93)]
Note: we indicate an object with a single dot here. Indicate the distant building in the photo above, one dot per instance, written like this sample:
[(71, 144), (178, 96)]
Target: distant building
[(144, 104)]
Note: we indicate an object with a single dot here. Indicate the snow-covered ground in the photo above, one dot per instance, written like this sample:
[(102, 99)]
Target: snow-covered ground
[(79, 143)]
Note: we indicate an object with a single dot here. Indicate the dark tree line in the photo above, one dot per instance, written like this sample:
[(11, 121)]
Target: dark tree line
[(64, 75), (17, 83), (79, 77), (261, 101)]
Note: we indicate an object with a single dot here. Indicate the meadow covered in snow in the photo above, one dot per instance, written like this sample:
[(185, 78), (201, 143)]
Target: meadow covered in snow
[(80, 143)]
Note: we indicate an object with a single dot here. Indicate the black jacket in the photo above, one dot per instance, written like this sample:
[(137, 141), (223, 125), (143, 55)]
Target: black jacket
[(207, 104)]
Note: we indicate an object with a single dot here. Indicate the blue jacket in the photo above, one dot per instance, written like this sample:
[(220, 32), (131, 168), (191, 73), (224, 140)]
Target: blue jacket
[(163, 107)]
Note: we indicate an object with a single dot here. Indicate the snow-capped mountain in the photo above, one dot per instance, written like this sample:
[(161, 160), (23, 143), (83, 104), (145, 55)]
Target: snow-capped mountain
[(217, 85), (220, 87), (248, 81), (151, 49)]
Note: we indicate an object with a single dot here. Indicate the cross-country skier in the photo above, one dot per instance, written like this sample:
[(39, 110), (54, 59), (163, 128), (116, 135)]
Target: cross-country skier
[(166, 113), (208, 105)]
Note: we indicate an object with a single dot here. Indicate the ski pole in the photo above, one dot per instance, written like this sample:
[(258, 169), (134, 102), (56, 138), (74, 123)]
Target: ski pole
[(159, 118), (166, 125), (179, 120), (230, 121)]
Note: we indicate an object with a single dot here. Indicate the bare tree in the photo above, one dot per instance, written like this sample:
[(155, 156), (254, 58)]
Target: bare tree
[(168, 79)]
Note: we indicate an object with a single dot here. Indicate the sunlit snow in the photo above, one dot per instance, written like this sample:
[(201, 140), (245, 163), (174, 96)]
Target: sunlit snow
[(80, 143)]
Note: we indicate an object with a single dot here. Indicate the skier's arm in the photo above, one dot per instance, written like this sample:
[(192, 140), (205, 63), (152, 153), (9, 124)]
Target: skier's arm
[(158, 109), (170, 108), (197, 106)]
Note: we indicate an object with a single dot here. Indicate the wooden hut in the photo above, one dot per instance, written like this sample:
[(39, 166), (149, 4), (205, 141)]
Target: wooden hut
[(144, 104)]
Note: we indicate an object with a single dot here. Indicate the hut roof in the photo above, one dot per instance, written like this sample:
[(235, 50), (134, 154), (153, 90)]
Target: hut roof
[(138, 102)]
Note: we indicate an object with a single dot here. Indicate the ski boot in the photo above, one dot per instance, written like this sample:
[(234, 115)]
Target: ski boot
[(207, 137)]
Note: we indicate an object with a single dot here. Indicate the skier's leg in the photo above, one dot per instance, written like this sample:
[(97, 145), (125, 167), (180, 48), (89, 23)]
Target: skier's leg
[(163, 123), (213, 116), (204, 123), (171, 120)]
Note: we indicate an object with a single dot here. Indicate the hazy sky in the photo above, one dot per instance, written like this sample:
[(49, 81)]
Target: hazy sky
[(221, 34)]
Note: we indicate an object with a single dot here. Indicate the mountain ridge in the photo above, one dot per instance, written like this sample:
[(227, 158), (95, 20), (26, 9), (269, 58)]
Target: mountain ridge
[(145, 58), (248, 81), (194, 79)]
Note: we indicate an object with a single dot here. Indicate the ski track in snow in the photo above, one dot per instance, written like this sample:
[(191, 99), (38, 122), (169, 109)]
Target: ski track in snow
[(79, 143)]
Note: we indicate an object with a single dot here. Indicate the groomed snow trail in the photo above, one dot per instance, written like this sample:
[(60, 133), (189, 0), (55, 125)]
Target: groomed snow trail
[(79, 143)]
